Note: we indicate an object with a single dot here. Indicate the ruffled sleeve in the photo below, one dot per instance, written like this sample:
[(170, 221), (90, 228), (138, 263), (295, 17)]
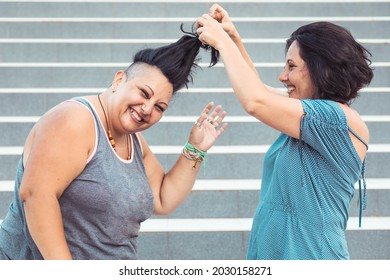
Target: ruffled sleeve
[(325, 129)]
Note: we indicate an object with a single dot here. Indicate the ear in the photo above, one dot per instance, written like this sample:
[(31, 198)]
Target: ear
[(120, 76)]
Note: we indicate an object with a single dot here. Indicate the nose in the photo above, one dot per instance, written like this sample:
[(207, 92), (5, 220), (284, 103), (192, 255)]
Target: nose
[(146, 108), (283, 76)]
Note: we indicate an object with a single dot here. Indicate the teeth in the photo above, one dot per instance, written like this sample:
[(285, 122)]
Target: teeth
[(135, 115), (290, 89)]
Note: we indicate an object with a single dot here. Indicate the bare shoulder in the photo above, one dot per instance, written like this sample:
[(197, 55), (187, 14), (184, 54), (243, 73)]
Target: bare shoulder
[(57, 149), (356, 123), (64, 123), (67, 118)]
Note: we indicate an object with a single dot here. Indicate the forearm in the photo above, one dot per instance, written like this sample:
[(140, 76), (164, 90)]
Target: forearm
[(240, 45), (44, 222), (249, 89), (170, 189), (177, 184)]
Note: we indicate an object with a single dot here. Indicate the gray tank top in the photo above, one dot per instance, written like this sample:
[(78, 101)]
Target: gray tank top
[(102, 209)]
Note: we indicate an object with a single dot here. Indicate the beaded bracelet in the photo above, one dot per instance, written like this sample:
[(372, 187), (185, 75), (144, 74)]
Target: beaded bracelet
[(193, 153)]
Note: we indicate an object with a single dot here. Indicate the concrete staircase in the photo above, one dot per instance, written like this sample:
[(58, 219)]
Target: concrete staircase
[(53, 50)]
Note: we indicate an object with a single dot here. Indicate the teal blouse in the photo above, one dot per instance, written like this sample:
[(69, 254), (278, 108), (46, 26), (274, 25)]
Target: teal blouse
[(307, 186)]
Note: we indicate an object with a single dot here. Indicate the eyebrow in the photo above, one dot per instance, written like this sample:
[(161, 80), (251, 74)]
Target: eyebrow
[(149, 88), (153, 94)]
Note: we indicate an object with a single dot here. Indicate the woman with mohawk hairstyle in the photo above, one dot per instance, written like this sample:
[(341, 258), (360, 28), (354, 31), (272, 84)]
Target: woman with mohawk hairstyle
[(87, 178)]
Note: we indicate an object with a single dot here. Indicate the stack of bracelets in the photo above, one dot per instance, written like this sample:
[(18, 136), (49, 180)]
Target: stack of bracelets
[(193, 153)]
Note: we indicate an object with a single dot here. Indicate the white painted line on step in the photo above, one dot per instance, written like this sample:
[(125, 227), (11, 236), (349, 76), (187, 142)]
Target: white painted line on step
[(188, 119), (125, 65), (54, 90), (191, 19), (17, 119), (248, 149), (7, 186), (220, 149), (236, 184), (198, 1), (242, 224), (384, 90), (250, 119), (151, 41), (255, 184)]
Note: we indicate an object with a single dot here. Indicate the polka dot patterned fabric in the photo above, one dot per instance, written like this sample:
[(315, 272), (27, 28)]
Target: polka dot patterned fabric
[(307, 187)]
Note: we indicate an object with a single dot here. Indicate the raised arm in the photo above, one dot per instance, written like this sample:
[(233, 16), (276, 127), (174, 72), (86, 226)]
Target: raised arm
[(56, 152), (222, 16), (170, 189), (259, 100)]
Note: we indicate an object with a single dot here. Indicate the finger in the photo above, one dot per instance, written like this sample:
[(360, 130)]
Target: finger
[(202, 118), (216, 111), (214, 12), (208, 108), (221, 129), (220, 118), (214, 8), (204, 114), (200, 21), (198, 124), (199, 30)]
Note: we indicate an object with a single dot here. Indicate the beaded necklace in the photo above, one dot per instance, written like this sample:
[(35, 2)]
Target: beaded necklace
[(109, 134)]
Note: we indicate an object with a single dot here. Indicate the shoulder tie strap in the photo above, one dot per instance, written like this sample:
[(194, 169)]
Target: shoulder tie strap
[(362, 197)]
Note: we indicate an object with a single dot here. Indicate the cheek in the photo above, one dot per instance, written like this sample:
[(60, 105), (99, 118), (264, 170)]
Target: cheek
[(156, 116)]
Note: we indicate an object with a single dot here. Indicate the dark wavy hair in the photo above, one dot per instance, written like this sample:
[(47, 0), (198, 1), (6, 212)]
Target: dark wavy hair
[(177, 61), (338, 65)]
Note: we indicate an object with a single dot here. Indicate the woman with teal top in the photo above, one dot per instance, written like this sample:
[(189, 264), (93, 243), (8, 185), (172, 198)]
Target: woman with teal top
[(310, 171)]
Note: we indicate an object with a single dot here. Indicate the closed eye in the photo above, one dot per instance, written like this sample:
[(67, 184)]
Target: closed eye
[(145, 93), (160, 108)]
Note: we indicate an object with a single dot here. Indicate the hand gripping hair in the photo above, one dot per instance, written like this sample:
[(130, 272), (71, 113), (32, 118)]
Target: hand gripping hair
[(176, 61)]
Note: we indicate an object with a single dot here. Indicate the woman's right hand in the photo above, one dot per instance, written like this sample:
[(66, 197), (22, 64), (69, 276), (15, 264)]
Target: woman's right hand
[(221, 15)]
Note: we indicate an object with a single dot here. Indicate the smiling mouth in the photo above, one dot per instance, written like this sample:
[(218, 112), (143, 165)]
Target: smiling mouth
[(290, 91), (135, 115)]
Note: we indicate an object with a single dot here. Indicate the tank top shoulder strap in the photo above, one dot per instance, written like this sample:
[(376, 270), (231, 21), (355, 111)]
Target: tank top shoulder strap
[(81, 101), (84, 102)]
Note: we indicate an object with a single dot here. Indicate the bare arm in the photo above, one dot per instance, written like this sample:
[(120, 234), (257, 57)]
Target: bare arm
[(56, 152), (172, 188), (222, 16), (259, 100)]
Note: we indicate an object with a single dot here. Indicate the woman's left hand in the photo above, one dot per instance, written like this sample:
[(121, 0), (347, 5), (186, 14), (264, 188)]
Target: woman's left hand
[(211, 32), (208, 127)]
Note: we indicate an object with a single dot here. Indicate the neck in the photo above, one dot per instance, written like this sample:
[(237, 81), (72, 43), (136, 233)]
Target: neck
[(109, 132)]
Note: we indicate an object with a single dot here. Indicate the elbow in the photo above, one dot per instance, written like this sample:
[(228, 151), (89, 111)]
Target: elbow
[(162, 211), (255, 107), (250, 107), (25, 194)]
